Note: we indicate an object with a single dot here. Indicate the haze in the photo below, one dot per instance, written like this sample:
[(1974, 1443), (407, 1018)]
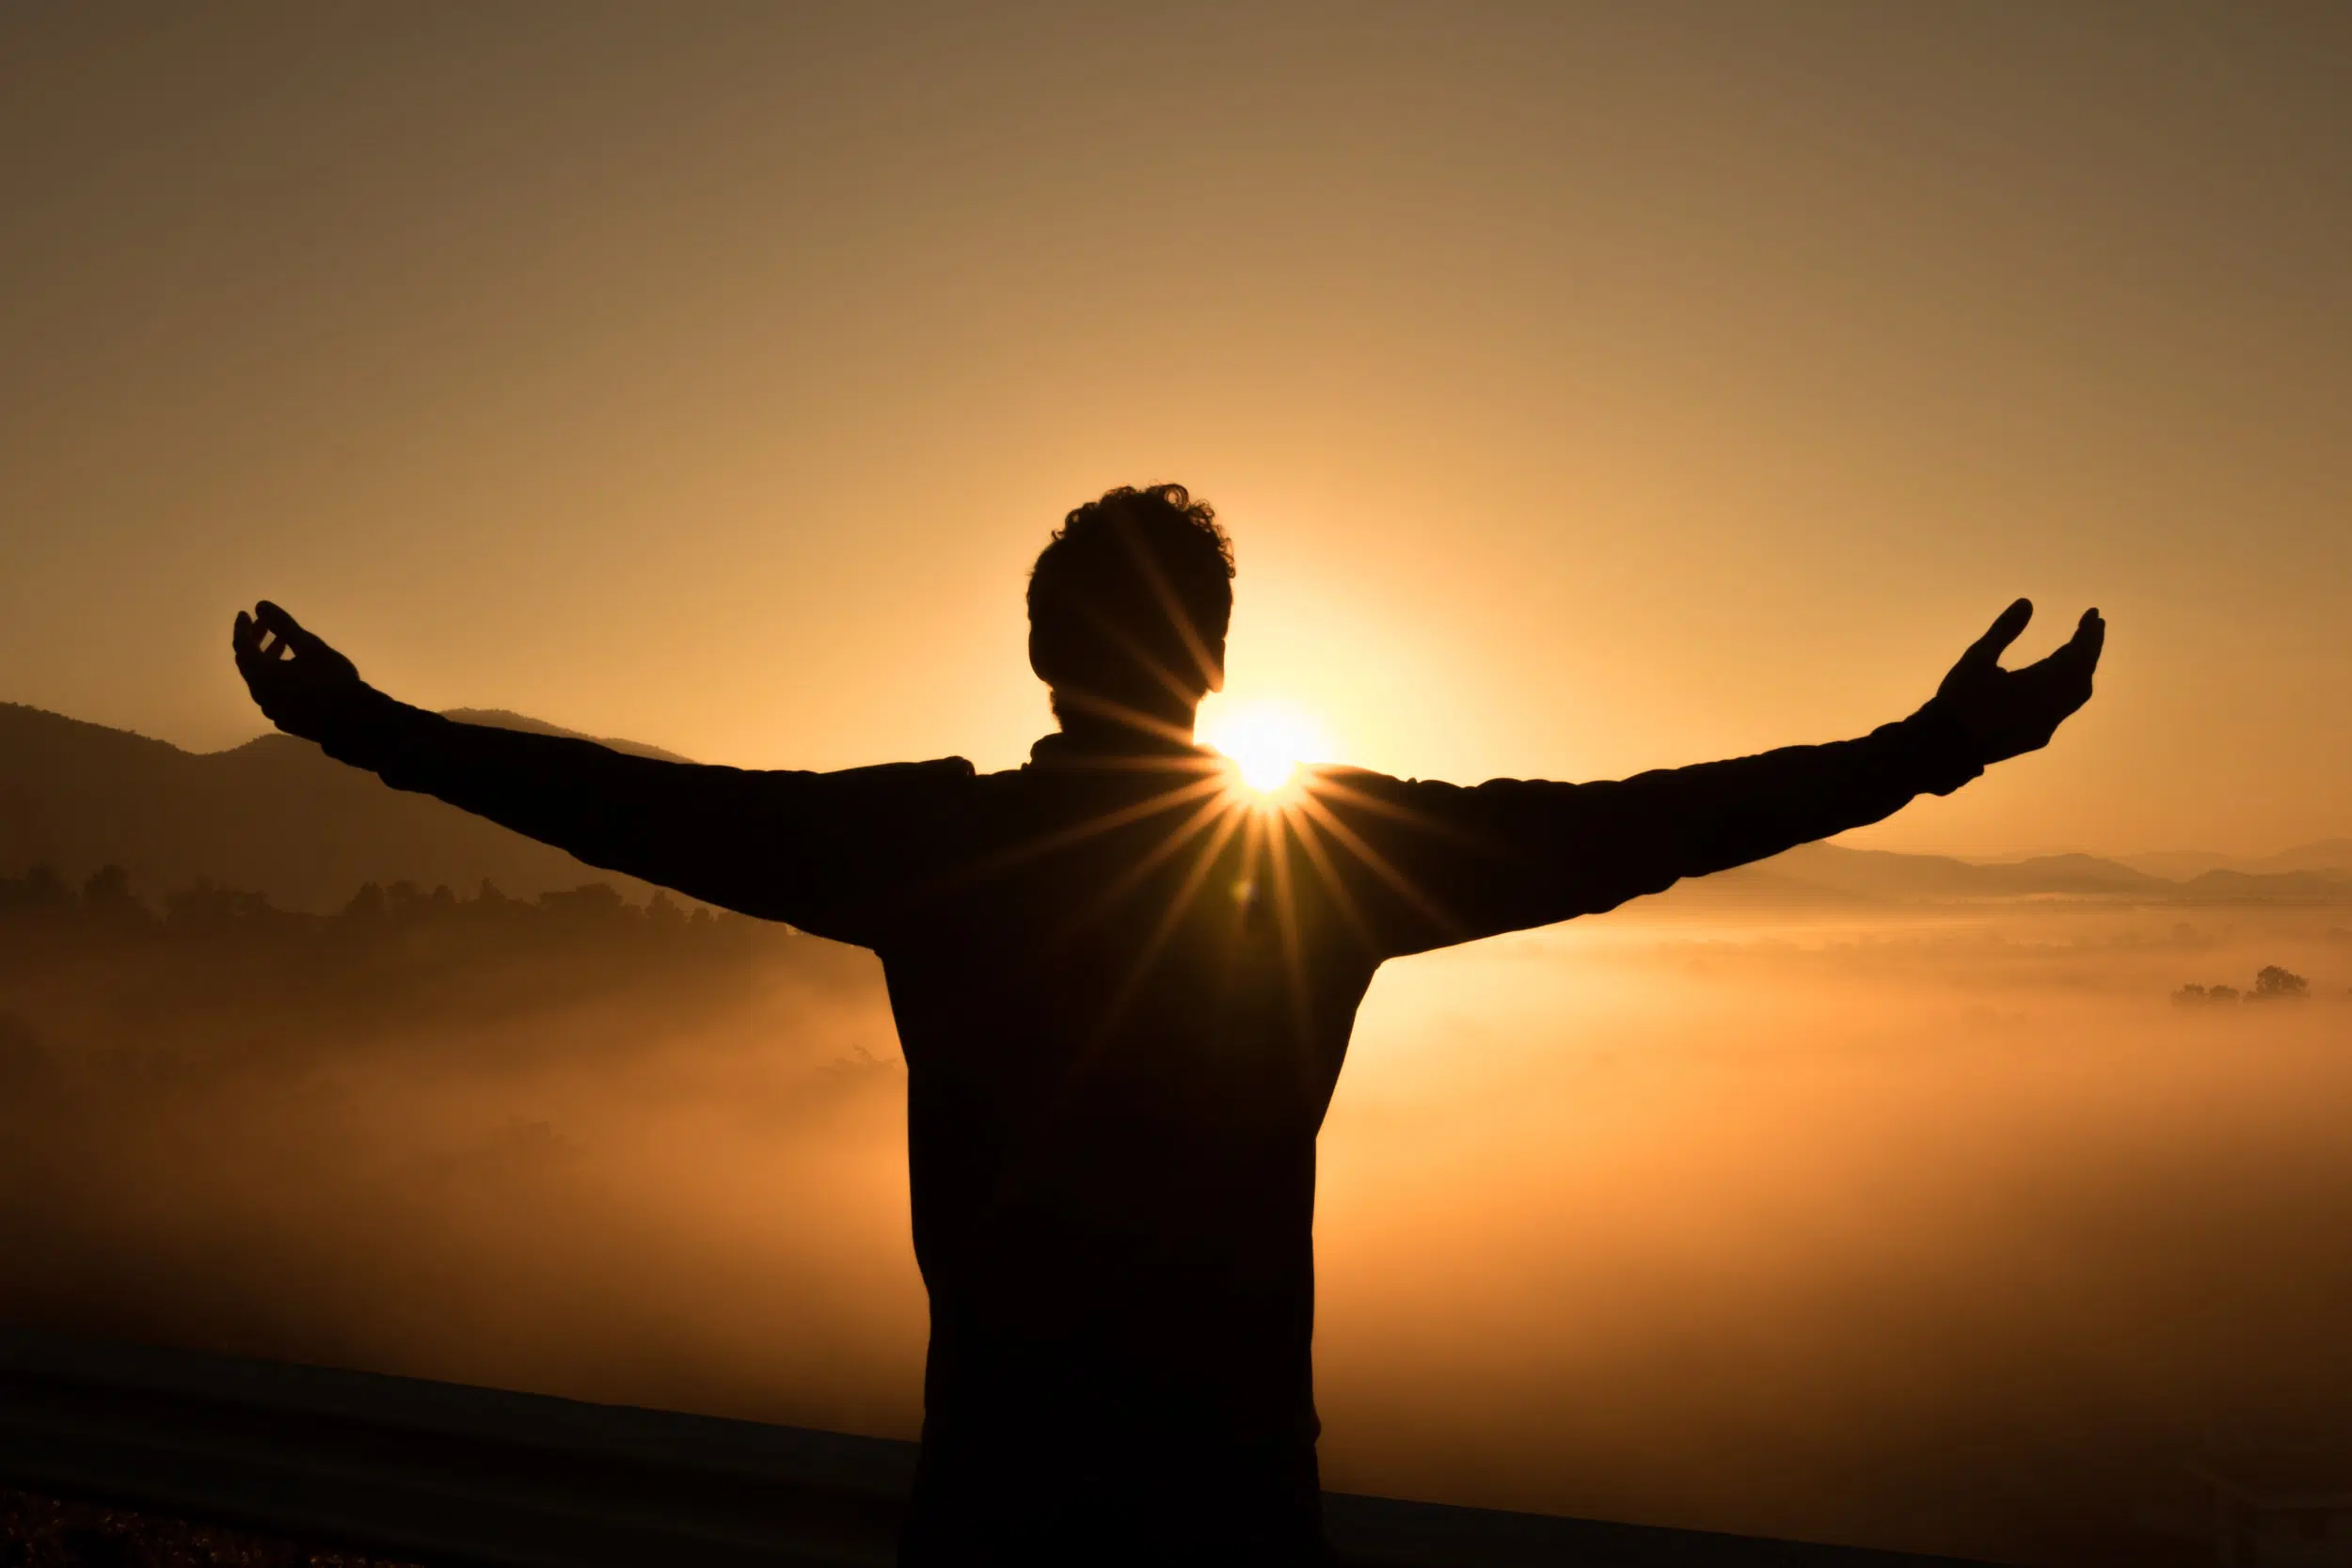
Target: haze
[(1939, 1227), (1587, 388)]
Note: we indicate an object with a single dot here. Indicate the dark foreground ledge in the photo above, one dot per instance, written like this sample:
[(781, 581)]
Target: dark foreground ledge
[(453, 1474)]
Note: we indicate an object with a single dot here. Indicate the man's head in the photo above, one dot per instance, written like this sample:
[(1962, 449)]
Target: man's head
[(1129, 605)]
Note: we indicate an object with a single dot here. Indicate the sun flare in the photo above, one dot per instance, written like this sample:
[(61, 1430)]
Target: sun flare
[(1265, 741)]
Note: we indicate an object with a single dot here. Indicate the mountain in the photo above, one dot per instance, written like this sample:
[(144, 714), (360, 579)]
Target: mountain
[(2327, 854), (1830, 874), (2321, 855), (2180, 864), (2271, 887), (275, 815), (1883, 875)]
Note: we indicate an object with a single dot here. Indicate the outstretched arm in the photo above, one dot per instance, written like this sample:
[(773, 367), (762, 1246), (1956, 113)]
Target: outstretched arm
[(782, 845), (1511, 854)]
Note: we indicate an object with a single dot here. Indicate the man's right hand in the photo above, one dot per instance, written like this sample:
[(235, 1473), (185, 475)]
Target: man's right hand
[(304, 688)]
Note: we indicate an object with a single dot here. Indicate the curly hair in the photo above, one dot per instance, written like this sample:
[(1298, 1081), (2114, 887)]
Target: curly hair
[(1136, 587)]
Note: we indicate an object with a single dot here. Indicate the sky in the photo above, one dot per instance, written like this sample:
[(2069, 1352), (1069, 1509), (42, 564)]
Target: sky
[(1586, 388)]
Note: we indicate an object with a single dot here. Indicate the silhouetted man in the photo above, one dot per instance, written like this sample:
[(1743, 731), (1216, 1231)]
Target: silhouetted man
[(1125, 985)]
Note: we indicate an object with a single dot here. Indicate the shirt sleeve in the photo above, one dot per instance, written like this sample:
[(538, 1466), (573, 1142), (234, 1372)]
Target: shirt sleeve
[(830, 853), (1425, 865)]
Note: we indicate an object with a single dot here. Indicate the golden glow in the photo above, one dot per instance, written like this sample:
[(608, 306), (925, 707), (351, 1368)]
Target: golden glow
[(1487, 524), (1265, 741)]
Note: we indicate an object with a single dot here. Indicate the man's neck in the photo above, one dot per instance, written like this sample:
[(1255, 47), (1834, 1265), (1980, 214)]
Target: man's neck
[(1098, 726), (1111, 737)]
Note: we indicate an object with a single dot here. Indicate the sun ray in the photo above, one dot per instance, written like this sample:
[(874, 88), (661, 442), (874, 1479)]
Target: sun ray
[(1339, 789), (1170, 606), (1178, 907), (1132, 876), (1057, 1098), (1380, 865), (1275, 840), (1128, 716), (1309, 840)]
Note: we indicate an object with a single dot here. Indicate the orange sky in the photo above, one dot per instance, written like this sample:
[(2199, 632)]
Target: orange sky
[(1586, 388)]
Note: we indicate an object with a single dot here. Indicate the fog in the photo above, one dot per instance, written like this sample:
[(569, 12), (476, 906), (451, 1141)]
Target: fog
[(1941, 1228)]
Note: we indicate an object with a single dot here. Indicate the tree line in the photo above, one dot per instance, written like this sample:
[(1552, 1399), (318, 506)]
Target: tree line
[(2273, 983), (105, 901)]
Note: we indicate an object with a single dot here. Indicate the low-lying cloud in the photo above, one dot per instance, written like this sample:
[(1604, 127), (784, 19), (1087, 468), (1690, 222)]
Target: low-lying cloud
[(1944, 1230)]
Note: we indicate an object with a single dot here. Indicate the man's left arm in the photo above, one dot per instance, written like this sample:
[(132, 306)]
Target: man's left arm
[(1510, 854)]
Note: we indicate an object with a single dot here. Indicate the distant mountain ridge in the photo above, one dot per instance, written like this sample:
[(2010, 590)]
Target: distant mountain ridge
[(2325, 854), (501, 718), (277, 816), (1832, 872)]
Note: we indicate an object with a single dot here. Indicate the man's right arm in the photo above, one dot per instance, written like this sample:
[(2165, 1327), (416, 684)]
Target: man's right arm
[(783, 846)]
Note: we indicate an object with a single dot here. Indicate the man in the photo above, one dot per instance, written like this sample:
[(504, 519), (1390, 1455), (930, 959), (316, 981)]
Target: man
[(1124, 984)]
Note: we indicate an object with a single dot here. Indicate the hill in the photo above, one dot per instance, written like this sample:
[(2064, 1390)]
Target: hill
[(501, 719), (1879, 874), (1831, 874), (275, 815), (2322, 855)]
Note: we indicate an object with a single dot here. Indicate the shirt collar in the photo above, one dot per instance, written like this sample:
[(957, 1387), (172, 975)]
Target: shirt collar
[(1136, 753)]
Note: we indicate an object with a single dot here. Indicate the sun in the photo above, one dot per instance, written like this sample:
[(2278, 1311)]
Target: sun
[(1265, 741)]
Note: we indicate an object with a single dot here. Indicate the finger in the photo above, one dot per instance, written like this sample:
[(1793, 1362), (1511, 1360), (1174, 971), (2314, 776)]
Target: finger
[(300, 640), (250, 635), (2081, 651), (1986, 652), (250, 644), (289, 630)]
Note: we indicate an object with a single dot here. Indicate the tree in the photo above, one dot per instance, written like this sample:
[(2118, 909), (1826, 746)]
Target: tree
[(107, 898), (107, 888), (40, 890), (589, 902), (2274, 984), (209, 909)]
